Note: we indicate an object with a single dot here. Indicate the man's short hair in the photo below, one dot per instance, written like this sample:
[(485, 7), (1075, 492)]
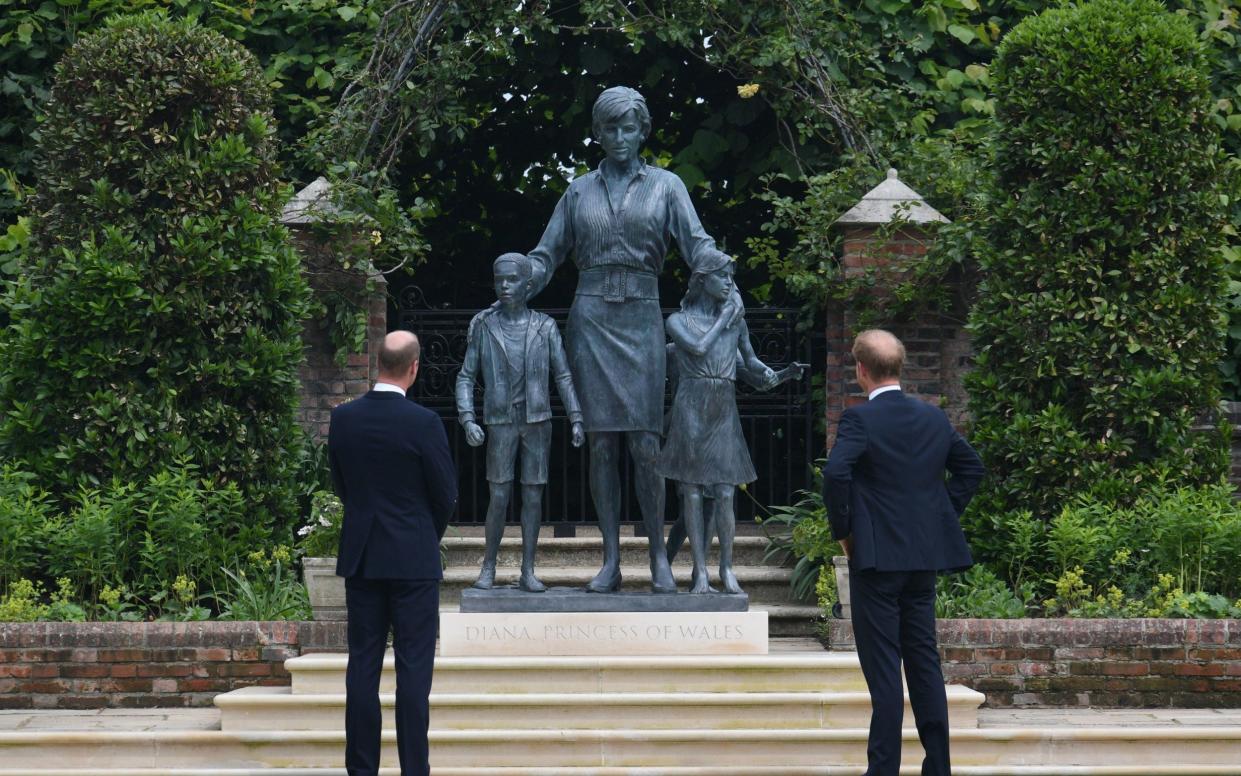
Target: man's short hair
[(880, 352), (525, 267), (398, 360)]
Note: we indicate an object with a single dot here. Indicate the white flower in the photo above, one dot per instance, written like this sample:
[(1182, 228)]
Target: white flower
[(304, 530)]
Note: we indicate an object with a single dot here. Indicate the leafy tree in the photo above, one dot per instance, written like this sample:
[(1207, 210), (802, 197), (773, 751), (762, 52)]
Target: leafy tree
[(156, 322), (1097, 327)]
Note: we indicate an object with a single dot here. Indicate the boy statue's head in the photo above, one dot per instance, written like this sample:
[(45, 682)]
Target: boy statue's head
[(513, 272)]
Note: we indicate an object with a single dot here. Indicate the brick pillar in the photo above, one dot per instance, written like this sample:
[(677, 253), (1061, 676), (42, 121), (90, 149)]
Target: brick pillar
[(889, 230), (327, 380)]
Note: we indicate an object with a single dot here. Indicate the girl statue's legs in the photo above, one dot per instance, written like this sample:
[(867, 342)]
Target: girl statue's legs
[(691, 507), (726, 525)]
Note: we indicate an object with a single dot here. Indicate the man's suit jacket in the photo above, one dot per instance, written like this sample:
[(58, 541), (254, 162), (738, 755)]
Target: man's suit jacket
[(884, 484), (485, 355), (393, 471)]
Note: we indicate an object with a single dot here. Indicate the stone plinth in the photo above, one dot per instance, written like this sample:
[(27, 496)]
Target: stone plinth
[(602, 633), (575, 599)]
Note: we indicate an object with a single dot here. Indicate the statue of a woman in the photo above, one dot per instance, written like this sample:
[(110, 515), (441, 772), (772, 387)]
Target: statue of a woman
[(616, 223)]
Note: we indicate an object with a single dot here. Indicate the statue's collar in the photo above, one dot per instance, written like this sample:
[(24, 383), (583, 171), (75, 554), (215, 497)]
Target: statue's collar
[(642, 166)]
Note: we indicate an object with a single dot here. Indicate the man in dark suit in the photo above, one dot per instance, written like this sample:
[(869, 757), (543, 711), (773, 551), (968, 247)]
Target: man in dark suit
[(898, 521), (394, 473)]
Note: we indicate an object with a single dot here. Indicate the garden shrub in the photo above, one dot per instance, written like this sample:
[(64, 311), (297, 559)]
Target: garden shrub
[(24, 511), (1098, 327), (156, 323)]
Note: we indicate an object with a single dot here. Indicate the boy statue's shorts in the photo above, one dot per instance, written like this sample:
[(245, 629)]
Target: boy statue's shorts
[(535, 441)]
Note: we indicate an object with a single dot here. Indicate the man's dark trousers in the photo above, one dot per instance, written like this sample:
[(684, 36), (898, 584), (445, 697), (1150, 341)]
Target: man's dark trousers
[(410, 609), (894, 619)]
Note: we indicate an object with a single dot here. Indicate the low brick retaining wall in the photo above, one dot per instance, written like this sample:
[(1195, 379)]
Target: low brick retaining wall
[(1116, 663), (72, 665), (1128, 663)]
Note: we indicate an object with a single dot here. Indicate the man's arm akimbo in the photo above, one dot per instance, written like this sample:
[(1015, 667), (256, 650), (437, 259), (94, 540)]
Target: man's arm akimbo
[(838, 473), (967, 472)]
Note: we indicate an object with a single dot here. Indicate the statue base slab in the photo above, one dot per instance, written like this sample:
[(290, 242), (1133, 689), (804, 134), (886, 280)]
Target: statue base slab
[(546, 634), (576, 599)]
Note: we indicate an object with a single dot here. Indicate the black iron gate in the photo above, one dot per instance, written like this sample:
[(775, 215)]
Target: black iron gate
[(779, 425)]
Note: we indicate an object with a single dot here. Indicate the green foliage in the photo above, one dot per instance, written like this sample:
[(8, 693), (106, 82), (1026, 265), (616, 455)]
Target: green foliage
[(266, 592), (303, 47), (1097, 326), (802, 531), (320, 538), (24, 602), (979, 593), (24, 511), (155, 221)]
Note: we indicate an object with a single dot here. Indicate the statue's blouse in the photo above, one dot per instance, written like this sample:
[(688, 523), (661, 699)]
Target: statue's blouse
[(629, 229)]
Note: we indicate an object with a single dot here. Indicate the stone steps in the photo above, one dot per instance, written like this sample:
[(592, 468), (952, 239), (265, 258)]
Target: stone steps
[(276, 708), (467, 752), (809, 672), (792, 713)]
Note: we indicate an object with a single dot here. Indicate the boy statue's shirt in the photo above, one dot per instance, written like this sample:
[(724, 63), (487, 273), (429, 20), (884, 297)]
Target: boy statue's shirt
[(515, 363)]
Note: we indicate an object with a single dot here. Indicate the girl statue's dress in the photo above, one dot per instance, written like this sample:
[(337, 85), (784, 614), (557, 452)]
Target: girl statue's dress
[(705, 445)]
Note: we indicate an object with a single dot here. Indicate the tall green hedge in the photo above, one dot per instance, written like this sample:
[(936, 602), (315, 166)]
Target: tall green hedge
[(157, 319), (1098, 329)]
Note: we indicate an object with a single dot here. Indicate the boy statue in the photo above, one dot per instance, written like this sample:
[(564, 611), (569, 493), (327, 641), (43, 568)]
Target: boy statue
[(513, 349)]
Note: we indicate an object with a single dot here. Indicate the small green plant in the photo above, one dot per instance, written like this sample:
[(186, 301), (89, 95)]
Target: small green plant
[(802, 530), (267, 592), (24, 603), (117, 604), (979, 593), (182, 602), (320, 538)]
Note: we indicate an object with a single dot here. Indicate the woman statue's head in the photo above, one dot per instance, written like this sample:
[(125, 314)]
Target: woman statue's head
[(621, 122)]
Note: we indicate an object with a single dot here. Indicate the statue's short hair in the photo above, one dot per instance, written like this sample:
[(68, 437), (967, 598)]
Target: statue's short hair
[(880, 352), (525, 267), (614, 103), (395, 361)]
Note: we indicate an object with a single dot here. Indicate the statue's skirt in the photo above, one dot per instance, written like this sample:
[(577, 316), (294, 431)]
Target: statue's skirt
[(616, 352)]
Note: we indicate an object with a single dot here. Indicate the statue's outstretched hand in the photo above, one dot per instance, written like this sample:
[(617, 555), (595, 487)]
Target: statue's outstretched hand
[(474, 435)]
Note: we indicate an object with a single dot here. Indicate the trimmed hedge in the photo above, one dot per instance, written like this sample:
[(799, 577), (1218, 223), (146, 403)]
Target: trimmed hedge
[(156, 322), (1098, 327)]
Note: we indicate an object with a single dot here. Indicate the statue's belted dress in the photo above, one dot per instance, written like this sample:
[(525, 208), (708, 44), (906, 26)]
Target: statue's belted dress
[(615, 335)]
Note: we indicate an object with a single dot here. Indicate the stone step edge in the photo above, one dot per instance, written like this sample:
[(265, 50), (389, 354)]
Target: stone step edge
[(1049, 734), (336, 661), (749, 770), (282, 697)]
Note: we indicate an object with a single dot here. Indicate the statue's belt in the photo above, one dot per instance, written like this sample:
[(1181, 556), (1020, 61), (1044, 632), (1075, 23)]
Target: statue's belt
[(616, 284)]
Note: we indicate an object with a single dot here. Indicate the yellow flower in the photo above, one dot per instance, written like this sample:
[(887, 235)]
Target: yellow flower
[(746, 91), (376, 236)]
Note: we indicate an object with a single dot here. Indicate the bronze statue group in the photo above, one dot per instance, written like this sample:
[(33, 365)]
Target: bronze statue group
[(885, 487)]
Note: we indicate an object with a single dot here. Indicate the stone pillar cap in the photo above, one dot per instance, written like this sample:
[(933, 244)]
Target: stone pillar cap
[(891, 201), (311, 205)]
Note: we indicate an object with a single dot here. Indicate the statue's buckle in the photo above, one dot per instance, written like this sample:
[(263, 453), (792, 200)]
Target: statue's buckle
[(614, 285)]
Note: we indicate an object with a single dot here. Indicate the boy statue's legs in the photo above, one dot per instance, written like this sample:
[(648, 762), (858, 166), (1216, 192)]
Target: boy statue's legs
[(502, 441), (531, 516)]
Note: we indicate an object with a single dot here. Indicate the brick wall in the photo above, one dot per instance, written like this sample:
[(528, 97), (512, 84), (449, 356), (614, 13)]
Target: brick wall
[(46, 665), (937, 349), (1016, 663), (324, 382), (1108, 663)]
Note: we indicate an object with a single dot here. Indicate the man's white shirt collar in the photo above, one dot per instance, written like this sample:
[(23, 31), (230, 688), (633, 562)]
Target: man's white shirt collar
[(884, 389), (390, 388)]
